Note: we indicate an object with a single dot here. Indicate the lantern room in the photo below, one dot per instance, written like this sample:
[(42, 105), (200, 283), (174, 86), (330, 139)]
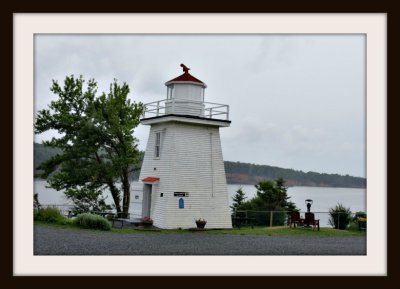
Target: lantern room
[(186, 87), (185, 98)]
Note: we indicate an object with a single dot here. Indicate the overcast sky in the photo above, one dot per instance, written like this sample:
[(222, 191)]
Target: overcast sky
[(296, 101)]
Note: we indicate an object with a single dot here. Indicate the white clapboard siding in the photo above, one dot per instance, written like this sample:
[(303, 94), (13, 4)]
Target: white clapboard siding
[(184, 108), (191, 161)]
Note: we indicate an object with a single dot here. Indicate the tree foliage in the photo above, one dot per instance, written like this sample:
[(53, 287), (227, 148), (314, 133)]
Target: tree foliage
[(238, 199), (42, 153), (271, 196), (98, 149), (86, 200)]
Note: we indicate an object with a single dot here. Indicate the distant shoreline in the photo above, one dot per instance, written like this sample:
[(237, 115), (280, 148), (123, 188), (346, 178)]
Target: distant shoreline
[(250, 174), (253, 184), (303, 185)]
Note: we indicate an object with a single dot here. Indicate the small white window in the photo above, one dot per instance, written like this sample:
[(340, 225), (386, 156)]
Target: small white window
[(170, 90), (158, 145)]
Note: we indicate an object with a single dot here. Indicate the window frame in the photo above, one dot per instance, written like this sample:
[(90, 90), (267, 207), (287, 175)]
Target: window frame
[(157, 145)]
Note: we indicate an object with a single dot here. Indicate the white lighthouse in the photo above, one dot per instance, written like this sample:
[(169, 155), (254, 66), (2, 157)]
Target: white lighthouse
[(183, 171)]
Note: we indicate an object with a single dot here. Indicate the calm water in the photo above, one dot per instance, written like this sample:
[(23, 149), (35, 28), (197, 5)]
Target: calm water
[(323, 198)]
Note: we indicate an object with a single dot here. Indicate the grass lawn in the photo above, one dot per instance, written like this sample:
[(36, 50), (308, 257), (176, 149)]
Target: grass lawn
[(286, 231), (274, 231)]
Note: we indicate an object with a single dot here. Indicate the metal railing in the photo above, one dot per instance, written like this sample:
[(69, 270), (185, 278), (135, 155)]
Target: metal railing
[(185, 106)]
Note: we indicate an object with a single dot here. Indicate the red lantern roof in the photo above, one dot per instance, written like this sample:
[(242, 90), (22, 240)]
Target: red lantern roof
[(186, 76)]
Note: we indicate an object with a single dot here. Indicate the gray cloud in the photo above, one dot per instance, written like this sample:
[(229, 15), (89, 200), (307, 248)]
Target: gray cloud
[(296, 101)]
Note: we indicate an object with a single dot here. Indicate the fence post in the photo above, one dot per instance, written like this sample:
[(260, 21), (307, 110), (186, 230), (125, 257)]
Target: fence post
[(338, 221), (271, 215)]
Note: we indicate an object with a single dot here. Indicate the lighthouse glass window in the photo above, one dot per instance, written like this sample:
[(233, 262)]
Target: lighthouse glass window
[(158, 144), (170, 90)]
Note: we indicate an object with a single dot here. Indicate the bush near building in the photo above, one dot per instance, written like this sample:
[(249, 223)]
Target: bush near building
[(91, 221), (50, 215)]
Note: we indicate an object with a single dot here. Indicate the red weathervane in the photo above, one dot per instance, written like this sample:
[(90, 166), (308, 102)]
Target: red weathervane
[(185, 68)]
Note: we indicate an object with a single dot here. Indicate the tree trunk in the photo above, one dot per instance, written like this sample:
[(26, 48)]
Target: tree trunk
[(113, 189), (116, 197), (127, 193)]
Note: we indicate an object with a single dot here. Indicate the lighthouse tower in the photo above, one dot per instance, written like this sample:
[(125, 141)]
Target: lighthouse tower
[(183, 171)]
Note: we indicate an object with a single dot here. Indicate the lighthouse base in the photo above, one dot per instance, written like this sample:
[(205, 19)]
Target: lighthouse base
[(189, 174)]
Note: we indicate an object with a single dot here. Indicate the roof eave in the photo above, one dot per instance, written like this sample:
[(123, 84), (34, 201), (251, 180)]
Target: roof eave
[(185, 82)]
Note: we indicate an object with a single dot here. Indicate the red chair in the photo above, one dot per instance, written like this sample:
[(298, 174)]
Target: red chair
[(310, 220), (295, 219)]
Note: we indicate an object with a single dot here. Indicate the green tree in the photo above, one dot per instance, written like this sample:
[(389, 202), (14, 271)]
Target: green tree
[(86, 200), (96, 140), (271, 196), (238, 199)]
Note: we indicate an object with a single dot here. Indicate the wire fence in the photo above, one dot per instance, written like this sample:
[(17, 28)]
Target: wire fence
[(283, 218), (246, 217), (68, 211), (65, 209)]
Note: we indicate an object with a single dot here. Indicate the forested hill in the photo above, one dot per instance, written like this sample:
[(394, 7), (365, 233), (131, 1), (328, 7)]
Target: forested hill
[(245, 173), (42, 153)]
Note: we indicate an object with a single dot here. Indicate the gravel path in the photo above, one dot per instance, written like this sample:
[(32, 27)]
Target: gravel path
[(60, 241)]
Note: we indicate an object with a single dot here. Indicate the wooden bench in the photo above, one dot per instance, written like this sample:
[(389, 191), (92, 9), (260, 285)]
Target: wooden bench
[(310, 220), (243, 222), (295, 219), (121, 218)]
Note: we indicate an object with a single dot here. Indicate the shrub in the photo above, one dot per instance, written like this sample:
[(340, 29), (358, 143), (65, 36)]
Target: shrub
[(49, 215), (358, 222), (340, 217), (353, 226), (92, 222), (359, 215), (361, 220)]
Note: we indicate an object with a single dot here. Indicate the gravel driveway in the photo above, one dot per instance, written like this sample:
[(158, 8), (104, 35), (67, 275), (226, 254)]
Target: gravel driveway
[(64, 241)]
